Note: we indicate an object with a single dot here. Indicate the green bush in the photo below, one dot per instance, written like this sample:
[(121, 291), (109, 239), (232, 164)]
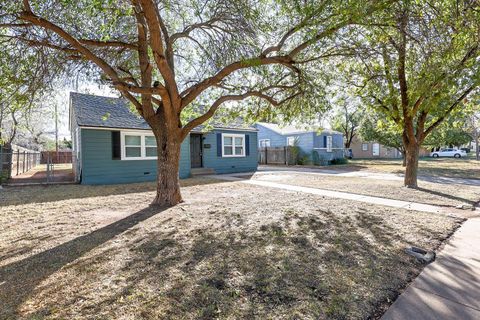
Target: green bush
[(3, 177), (339, 161), (293, 155), (304, 159)]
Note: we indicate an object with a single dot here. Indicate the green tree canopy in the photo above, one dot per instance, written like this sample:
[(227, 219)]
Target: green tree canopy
[(26, 74), (172, 58), (416, 64)]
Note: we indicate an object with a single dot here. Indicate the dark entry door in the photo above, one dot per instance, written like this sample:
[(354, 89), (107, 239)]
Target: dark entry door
[(196, 150)]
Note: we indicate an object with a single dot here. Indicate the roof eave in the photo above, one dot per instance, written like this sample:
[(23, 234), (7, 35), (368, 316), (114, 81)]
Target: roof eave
[(149, 129)]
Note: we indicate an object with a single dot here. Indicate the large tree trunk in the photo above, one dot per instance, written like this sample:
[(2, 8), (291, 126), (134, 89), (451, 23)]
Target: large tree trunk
[(168, 186), (411, 170)]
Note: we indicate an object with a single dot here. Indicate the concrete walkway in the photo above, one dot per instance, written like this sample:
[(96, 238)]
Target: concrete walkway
[(448, 288), (365, 174), (336, 194)]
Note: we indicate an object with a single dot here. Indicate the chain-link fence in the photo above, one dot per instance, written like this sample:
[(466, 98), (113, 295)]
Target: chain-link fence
[(25, 167), (14, 163)]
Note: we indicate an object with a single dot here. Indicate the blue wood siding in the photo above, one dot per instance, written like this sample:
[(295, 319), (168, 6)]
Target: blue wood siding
[(307, 142), (276, 139), (99, 168), (232, 164), (337, 146), (303, 140)]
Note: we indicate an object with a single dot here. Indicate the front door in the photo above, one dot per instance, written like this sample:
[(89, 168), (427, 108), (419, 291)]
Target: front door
[(196, 150)]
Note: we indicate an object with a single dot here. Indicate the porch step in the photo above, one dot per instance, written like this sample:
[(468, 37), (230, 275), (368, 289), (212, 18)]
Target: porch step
[(201, 171)]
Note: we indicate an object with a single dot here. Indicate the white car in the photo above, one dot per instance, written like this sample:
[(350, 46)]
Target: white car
[(455, 153)]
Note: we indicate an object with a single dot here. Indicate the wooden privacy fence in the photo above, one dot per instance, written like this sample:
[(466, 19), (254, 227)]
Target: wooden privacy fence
[(56, 157), (277, 155)]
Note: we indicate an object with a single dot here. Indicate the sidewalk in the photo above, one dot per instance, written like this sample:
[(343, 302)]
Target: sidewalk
[(448, 288), (336, 194)]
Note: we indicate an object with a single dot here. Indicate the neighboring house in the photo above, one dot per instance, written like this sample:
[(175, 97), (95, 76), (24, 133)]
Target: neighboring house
[(327, 144), (371, 149), (368, 149), (113, 145)]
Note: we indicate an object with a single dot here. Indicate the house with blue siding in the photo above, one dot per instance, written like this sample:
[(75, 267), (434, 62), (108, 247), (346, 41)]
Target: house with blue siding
[(316, 146), (113, 145)]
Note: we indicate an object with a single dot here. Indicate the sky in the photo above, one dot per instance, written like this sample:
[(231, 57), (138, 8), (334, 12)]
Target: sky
[(61, 97)]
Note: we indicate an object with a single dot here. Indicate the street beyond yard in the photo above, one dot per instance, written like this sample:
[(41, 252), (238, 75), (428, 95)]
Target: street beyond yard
[(230, 251)]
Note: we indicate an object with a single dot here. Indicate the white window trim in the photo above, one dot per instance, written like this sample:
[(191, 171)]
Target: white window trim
[(233, 136), (329, 143), (291, 138), (143, 147), (264, 143), (366, 148)]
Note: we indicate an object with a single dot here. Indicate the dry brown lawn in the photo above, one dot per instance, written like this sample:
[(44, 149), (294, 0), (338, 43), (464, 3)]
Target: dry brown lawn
[(230, 251), (445, 195), (441, 167)]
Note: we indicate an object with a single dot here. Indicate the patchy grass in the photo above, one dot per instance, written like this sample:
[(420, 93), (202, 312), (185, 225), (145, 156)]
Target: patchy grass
[(48, 193), (448, 195), (441, 167), (230, 251)]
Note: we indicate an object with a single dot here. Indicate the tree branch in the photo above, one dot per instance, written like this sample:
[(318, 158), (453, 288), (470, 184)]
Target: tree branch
[(153, 19), (211, 111), (28, 15), (449, 110)]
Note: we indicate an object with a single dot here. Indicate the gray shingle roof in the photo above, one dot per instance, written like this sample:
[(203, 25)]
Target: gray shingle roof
[(98, 111)]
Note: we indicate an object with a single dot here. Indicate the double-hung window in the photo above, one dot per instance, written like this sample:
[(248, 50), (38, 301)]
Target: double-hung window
[(262, 143), (233, 145), (133, 146), (138, 146), (150, 146), (290, 141)]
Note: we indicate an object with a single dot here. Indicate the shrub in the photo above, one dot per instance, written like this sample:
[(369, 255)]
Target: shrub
[(319, 160), (293, 154), (339, 161), (304, 159), (3, 177)]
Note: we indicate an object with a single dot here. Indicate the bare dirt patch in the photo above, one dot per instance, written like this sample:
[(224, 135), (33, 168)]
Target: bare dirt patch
[(447, 195), (231, 251)]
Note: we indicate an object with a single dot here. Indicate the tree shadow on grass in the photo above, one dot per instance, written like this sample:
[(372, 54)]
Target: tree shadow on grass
[(447, 196), (20, 195), (300, 267), (316, 266), (19, 279), (306, 273)]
